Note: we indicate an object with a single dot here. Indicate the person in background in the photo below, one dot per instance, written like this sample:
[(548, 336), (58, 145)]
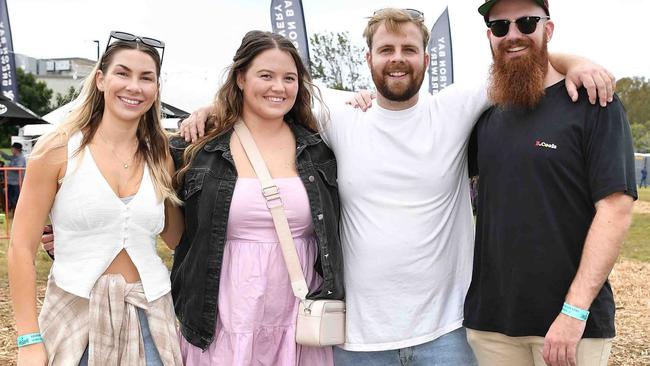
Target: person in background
[(14, 177), (104, 177), (644, 177), (555, 198)]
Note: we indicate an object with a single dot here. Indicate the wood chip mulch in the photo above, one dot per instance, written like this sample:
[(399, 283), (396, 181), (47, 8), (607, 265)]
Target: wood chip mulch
[(630, 281)]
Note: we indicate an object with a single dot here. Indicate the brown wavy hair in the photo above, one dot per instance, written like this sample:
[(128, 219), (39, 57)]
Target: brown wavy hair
[(229, 101)]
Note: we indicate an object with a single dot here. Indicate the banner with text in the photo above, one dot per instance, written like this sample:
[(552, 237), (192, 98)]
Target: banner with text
[(288, 20), (8, 84), (441, 67)]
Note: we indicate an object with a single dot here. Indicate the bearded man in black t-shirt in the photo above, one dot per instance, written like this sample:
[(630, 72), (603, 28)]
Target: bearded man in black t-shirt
[(555, 199)]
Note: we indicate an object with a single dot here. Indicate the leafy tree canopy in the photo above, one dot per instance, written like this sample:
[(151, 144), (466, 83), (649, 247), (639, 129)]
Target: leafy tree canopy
[(634, 92), (32, 93), (337, 62), (63, 99)]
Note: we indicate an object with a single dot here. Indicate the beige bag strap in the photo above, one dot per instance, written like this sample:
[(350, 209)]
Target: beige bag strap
[(271, 193)]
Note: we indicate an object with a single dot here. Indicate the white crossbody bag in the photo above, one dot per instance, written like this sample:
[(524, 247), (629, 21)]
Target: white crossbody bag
[(320, 322)]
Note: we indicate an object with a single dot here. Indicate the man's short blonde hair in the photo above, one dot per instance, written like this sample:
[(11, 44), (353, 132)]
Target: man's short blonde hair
[(393, 19)]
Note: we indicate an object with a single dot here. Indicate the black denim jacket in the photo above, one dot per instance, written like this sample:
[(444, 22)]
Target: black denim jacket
[(207, 191)]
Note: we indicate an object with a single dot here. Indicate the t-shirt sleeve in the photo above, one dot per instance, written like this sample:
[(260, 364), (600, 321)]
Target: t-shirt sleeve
[(467, 100), (609, 152)]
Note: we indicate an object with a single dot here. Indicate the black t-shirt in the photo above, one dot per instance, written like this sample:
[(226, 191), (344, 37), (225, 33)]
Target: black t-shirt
[(541, 172)]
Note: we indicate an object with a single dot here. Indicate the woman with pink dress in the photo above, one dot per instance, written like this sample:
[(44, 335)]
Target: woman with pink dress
[(230, 284)]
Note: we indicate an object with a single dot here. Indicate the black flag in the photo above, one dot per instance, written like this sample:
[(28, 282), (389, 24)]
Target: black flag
[(288, 20), (441, 67), (8, 84)]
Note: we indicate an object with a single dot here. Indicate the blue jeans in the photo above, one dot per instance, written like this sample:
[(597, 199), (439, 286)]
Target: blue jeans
[(151, 355), (451, 349), (13, 191)]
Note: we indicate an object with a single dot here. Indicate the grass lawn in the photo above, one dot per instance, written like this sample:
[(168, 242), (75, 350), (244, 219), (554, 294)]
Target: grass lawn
[(637, 243), (644, 194)]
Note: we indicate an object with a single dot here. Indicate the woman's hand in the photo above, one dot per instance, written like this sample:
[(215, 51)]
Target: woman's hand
[(47, 240), (193, 127)]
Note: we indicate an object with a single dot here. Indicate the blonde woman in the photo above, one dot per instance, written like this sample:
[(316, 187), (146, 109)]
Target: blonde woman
[(104, 177)]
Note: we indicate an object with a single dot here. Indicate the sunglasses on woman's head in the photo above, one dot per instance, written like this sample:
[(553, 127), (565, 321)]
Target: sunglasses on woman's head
[(526, 25), (128, 37)]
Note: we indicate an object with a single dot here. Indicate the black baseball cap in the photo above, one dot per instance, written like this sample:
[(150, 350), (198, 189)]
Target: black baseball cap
[(17, 145), (484, 9)]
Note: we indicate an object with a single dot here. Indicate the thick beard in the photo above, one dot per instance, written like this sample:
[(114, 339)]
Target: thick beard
[(518, 82), (403, 94)]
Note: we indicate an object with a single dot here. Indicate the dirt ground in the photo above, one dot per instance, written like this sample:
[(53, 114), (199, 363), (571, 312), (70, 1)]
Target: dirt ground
[(630, 280), (642, 207), (631, 284)]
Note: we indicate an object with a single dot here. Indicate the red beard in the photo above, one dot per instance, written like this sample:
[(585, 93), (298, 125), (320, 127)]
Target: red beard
[(518, 82)]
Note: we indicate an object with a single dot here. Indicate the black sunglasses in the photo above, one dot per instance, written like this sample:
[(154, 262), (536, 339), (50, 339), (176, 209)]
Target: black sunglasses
[(413, 13), (526, 25), (128, 37)]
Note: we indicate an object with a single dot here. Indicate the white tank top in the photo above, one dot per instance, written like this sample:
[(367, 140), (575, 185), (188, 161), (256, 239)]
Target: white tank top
[(92, 225)]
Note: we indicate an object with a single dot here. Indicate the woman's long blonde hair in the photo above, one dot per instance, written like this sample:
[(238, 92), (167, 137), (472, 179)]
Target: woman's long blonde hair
[(153, 144), (229, 101)]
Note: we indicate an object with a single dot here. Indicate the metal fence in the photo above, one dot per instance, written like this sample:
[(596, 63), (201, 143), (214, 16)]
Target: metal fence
[(4, 211)]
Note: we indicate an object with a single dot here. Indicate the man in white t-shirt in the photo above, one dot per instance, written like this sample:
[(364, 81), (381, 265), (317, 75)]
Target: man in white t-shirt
[(406, 219), (407, 227)]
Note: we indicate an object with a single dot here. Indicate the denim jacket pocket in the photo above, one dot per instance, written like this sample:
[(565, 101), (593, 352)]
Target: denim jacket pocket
[(328, 172), (193, 183)]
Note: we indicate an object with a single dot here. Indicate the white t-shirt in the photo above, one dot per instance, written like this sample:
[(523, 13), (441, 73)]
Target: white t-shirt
[(406, 222)]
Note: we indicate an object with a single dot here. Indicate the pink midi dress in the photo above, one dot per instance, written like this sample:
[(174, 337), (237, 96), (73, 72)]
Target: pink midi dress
[(256, 307)]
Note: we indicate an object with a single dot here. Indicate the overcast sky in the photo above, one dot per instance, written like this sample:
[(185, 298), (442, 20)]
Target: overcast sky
[(201, 36)]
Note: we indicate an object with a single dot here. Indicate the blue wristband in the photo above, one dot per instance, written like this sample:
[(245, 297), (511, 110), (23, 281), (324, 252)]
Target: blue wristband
[(27, 339), (575, 312)]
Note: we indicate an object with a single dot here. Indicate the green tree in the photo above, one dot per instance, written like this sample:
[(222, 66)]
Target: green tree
[(32, 93), (634, 92), (635, 95), (337, 62), (6, 131), (63, 99), (641, 137)]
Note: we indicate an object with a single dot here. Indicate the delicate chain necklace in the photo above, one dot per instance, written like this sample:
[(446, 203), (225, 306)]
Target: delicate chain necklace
[(125, 164)]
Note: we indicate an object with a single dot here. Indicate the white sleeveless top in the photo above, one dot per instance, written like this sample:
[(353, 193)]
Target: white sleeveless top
[(92, 225)]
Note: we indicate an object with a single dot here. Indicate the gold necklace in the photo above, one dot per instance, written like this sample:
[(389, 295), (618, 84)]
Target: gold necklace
[(125, 164)]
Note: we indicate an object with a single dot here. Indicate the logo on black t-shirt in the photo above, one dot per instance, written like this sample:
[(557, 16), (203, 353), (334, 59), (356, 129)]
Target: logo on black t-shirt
[(545, 145)]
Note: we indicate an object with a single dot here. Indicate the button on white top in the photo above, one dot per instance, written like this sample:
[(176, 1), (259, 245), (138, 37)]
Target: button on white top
[(85, 199)]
